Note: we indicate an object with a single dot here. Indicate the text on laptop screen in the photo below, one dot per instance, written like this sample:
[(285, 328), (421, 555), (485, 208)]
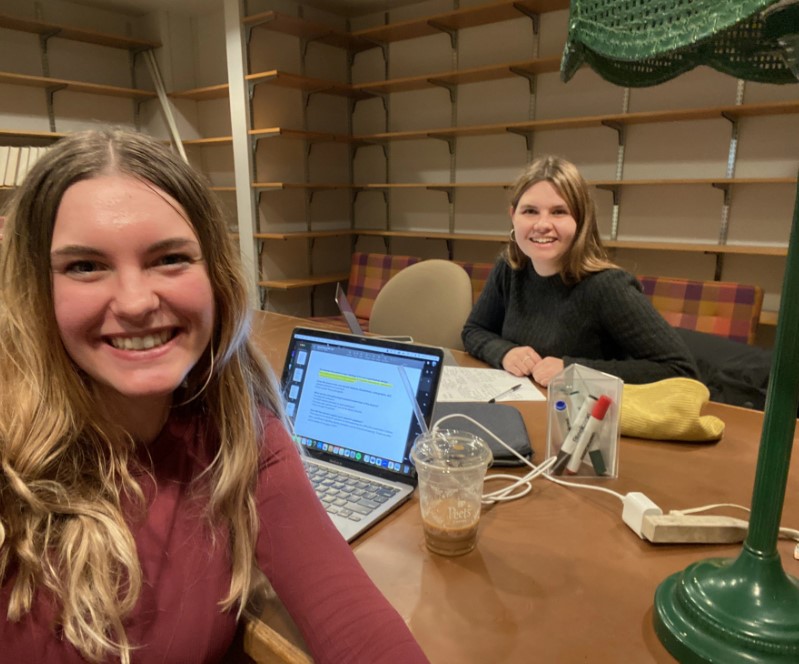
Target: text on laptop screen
[(348, 400)]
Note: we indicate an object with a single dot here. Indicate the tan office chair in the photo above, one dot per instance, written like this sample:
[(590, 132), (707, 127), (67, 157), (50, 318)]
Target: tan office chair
[(428, 301)]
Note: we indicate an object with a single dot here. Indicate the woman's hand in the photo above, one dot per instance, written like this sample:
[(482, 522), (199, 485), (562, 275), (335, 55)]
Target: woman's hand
[(545, 370), (520, 361)]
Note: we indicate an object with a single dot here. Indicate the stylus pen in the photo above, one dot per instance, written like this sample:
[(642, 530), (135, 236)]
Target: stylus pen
[(409, 391), (510, 390)]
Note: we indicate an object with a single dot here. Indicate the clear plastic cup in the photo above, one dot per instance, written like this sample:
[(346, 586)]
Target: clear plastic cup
[(451, 466)]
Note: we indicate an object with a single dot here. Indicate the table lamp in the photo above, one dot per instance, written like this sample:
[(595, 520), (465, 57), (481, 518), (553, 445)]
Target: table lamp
[(743, 609)]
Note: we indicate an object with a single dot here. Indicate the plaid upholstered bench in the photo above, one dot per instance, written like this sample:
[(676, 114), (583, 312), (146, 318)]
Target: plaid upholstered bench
[(369, 272), (725, 309), (478, 273)]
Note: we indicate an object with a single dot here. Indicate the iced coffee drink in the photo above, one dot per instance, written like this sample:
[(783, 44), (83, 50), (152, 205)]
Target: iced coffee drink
[(451, 466), (450, 527)]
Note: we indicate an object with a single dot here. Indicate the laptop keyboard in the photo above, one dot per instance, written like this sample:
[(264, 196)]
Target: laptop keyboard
[(346, 495)]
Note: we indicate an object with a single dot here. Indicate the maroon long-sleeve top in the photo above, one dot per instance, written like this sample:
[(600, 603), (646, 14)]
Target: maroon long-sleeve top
[(186, 570)]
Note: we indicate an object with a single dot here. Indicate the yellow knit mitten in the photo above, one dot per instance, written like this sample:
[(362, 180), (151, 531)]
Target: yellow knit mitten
[(668, 410)]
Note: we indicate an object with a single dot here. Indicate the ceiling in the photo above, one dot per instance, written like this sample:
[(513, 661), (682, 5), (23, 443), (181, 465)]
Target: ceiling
[(197, 7)]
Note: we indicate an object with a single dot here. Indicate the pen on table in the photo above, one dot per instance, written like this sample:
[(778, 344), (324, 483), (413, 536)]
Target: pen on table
[(505, 393)]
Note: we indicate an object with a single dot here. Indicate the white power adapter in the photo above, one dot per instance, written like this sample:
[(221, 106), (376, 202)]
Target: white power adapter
[(647, 521), (636, 507)]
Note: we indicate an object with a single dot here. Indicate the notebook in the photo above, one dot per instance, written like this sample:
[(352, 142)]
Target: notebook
[(349, 400)]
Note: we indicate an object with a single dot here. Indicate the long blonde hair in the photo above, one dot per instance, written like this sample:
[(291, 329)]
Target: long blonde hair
[(586, 255), (64, 468)]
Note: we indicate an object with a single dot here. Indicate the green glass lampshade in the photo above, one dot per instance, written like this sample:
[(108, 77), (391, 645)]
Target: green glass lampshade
[(637, 44)]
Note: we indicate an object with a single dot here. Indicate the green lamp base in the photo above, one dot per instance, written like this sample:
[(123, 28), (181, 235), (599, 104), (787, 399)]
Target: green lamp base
[(730, 611)]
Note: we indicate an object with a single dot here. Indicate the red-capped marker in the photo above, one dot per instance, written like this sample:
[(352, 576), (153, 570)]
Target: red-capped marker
[(588, 434)]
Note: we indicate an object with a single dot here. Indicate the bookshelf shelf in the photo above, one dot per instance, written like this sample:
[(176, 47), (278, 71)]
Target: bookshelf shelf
[(459, 19), (602, 184), (24, 133), (304, 282), (705, 248), (45, 28), (314, 136), (463, 76), (203, 94), (304, 235), (8, 78), (769, 318), (216, 140), (284, 186), (308, 30), (580, 122), (305, 83)]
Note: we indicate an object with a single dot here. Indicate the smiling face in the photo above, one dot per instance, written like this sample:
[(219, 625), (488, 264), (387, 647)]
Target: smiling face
[(133, 302), (544, 227)]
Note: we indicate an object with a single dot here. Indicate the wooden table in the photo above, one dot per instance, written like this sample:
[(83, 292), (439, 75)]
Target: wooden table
[(557, 576)]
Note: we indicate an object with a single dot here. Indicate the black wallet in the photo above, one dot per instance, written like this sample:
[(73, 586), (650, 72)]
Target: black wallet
[(503, 421)]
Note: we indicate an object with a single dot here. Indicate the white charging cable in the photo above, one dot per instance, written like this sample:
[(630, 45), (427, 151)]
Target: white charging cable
[(519, 486)]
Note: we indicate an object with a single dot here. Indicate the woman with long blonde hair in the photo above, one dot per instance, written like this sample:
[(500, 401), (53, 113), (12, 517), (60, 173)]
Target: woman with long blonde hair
[(555, 299), (145, 468)]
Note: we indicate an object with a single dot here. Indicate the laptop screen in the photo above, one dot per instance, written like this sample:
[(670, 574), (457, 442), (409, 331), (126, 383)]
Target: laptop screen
[(349, 402), (345, 308)]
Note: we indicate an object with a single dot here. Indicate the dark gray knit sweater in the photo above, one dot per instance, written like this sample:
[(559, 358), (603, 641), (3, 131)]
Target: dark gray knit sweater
[(604, 322)]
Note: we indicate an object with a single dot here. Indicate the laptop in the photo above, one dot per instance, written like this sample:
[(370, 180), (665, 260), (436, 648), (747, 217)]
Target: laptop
[(355, 327), (345, 308), (350, 400)]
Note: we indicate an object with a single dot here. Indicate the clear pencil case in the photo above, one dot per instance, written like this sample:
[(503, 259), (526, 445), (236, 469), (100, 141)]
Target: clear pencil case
[(583, 408)]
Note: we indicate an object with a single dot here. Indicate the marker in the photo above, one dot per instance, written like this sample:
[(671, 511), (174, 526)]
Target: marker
[(588, 433), (578, 425), (562, 418), (595, 454), (571, 398), (505, 393)]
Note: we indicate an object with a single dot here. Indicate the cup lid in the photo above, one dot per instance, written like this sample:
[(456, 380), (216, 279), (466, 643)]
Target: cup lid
[(451, 449)]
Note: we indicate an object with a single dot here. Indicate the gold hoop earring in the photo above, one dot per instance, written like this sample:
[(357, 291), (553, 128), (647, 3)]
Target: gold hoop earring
[(512, 235), (205, 384)]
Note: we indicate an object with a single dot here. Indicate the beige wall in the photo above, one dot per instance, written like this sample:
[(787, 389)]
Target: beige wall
[(194, 56)]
